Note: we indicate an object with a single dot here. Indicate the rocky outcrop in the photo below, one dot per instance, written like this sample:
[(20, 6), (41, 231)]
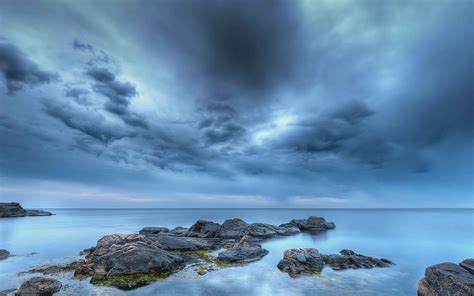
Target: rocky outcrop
[(242, 254), (14, 209), (4, 254), (308, 261), (131, 260), (39, 286), (448, 279), (314, 225)]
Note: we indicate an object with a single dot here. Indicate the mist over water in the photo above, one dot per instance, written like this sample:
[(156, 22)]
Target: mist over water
[(412, 238)]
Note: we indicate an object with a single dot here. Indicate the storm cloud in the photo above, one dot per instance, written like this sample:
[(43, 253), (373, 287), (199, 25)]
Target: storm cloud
[(370, 103)]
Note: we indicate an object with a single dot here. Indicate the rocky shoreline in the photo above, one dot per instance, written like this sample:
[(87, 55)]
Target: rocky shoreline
[(14, 209)]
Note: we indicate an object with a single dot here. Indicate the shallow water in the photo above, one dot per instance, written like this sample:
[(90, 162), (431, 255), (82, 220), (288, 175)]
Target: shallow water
[(413, 239)]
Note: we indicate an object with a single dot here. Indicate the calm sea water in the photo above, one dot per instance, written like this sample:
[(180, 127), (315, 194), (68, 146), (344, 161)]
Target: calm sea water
[(413, 239)]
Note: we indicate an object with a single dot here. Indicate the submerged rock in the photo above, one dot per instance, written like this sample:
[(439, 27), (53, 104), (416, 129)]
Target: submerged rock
[(39, 286), (309, 260), (242, 254), (14, 209), (4, 254), (448, 279)]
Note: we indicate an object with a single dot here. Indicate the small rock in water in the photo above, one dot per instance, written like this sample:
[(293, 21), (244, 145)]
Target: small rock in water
[(4, 254), (448, 279), (242, 254), (14, 209), (39, 286)]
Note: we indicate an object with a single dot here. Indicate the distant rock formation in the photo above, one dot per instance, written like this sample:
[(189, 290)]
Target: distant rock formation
[(448, 279), (310, 261), (4, 254), (14, 209)]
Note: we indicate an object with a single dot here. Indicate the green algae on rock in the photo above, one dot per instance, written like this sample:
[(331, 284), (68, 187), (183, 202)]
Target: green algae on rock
[(128, 281)]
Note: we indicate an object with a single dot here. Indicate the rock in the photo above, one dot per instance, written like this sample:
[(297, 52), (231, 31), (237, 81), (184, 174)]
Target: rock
[(7, 292), (306, 261), (51, 269), (39, 286), (125, 261), (173, 243), (203, 228), (232, 228), (4, 254), (38, 213), (313, 224), (448, 279), (468, 265), (153, 230), (301, 261), (14, 209), (179, 231), (246, 241), (265, 231), (242, 254), (350, 260)]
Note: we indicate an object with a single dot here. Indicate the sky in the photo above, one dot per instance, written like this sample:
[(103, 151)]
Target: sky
[(312, 104)]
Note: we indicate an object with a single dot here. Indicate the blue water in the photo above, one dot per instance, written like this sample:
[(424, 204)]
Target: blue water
[(413, 239)]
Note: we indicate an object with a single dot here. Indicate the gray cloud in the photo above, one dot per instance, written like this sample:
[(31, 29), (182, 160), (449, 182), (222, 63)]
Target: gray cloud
[(18, 70)]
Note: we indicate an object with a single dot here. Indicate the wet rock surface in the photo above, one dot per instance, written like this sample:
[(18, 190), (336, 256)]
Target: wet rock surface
[(448, 279), (131, 260), (4, 254), (39, 286), (310, 261), (313, 225), (14, 209)]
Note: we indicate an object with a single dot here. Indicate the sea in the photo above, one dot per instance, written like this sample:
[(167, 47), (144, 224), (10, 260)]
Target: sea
[(412, 238)]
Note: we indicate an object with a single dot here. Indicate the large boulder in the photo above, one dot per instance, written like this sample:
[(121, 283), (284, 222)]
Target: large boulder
[(307, 261), (301, 261), (127, 255), (174, 243), (39, 286), (448, 279), (232, 228), (4, 254), (153, 230), (313, 224), (242, 254), (203, 228), (265, 231)]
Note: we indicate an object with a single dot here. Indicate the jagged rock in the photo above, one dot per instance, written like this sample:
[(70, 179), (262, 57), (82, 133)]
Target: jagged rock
[(232, 228), (121, 255), (301, 261), (350, 260), (203, 228), (39, 286), (304, 261), (179, 231), (4, 254), (265, 231), (313, 225), (14, 209), (242, 254), (448, 279), (153, 230)]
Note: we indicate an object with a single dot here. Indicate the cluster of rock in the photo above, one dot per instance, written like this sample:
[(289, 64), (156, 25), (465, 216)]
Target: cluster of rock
[(448, 279), (14, 209), (310, 261), (161, 251)]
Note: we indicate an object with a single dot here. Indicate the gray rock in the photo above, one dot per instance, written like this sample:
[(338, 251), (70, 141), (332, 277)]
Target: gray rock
[(313, 224), (174, 243), (203, 228), (306, 261), (265, 231), (4, 254), (179, 231), (39, 286), (351, 260), (242, 254), (301, 261), (246, 241), (468, 265), (14, 209), (153, 230), (232, 228), (121, 254), (447, 279)]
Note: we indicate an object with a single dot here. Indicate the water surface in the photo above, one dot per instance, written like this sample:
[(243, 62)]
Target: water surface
[(413, 239)]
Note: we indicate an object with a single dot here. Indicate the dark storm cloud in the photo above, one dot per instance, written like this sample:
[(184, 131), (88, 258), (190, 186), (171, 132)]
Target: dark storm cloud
[(18, 70)]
